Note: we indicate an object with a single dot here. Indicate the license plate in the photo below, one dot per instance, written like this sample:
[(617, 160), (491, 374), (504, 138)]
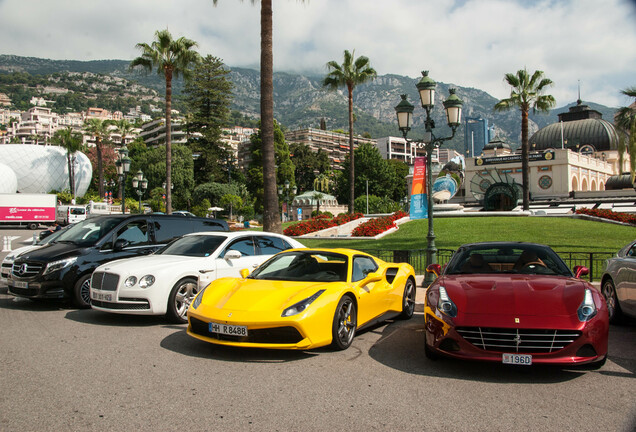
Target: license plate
[(517, 359), (19, 284), (101, 296), (226, 329)]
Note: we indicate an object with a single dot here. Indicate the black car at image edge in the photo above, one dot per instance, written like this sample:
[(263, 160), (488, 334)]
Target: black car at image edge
[(63, 268)]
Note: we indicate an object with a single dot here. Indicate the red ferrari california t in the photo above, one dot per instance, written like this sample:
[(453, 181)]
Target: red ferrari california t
[(514, 303)]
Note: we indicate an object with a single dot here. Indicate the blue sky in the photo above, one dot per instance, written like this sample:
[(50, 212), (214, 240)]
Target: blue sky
[(471, 43)]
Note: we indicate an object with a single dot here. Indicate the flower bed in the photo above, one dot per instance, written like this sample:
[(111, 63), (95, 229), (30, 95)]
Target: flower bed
[(377, 226), (609, 214), (318, 223)]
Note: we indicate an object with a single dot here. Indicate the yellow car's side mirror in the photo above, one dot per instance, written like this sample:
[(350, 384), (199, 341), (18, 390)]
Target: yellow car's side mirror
[(244, 273), (372, 277)]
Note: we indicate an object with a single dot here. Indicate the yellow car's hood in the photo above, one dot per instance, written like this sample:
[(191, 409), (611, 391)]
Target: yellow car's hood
[(259, 295)]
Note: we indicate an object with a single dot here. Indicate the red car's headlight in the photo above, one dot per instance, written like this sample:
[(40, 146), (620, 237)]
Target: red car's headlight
[(445, 304), (587, 310)]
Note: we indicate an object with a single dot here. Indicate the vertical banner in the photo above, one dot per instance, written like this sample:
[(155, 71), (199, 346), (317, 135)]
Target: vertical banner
[(419, 198)]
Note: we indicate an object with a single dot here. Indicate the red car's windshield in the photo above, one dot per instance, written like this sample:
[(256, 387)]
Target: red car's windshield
[(507, 258)]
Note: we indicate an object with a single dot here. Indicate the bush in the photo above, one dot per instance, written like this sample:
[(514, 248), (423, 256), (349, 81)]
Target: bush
[(318, 223), (377, 226), (609, 214)]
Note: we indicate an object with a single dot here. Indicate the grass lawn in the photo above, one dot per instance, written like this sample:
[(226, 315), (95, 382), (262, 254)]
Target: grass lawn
[(560, 233)]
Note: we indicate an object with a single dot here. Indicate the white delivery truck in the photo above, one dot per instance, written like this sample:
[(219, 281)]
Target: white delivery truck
[(70, 214), (97, 209), (28, 210)]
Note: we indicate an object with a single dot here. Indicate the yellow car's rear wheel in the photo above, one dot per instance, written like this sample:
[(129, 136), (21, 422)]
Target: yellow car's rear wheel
[(345, 321), (408, 299)]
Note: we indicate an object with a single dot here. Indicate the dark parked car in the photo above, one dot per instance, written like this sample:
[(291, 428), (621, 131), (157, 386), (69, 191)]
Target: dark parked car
[(618, 284), (62, 268)]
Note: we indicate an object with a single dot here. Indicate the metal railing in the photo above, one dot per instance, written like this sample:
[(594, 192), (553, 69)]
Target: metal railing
[(594, 261)]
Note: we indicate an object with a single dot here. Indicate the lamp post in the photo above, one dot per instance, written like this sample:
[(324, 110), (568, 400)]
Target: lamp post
[(285, 215), (123, 167), (140, 184), (404, 111)]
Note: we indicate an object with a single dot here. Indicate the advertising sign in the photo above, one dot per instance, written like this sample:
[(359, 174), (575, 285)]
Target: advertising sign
[(419, 197)]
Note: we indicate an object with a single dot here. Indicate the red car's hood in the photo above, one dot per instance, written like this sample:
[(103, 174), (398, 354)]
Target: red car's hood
[(527, 295)]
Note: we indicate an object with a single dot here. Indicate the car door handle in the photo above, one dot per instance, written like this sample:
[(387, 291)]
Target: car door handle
[(254, 265), (206, 271)]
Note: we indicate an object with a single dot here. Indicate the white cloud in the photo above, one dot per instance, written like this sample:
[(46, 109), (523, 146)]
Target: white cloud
[(465, 42)]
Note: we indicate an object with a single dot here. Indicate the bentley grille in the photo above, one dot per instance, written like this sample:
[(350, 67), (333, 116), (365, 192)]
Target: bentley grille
[(518, 340), (104, 281)]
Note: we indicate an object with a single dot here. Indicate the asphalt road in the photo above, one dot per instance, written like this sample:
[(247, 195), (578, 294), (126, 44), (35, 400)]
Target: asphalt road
[(68, 369)]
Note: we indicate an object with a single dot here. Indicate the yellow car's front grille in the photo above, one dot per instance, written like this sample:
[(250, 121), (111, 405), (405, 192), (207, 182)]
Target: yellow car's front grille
[(274, 335)]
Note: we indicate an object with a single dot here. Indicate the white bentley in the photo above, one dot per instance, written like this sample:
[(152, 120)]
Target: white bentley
[(166, 282)]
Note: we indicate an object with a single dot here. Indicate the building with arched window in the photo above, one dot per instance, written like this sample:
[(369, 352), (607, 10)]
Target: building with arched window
[(577, 154)]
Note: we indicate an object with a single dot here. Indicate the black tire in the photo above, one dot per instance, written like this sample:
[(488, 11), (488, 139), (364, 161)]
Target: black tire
[(82, 292), (345, 322), (613, 308), (33, 226), (180, 298), (408, 299)]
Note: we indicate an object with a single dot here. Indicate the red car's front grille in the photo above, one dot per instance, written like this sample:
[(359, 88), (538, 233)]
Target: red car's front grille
[(518, 340)]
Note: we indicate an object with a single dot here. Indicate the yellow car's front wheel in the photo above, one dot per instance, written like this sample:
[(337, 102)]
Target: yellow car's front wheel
[(344, 323)]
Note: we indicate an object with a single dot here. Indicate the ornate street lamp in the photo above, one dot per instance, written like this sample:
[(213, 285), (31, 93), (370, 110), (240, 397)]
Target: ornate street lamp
[(123, 167), (285, 216), (404, 111), (140, 184)]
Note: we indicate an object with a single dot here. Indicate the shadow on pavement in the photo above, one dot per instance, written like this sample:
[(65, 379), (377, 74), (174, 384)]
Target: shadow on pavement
[(95, 317), (181, 343), (19, 303)]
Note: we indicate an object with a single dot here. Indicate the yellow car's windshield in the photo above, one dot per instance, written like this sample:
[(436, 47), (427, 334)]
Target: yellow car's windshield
[(306, 266)]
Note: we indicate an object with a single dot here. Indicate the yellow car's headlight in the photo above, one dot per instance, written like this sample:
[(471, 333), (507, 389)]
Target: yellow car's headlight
[(301, 305), (197, 300)]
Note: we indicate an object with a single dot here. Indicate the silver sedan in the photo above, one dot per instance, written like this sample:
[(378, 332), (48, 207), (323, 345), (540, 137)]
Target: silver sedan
[(618, 284)]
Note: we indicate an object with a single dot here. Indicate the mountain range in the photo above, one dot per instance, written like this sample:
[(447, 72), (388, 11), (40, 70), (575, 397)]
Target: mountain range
[(301, 101)]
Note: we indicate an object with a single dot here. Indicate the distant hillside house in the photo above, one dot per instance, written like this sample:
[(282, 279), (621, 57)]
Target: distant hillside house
[(4, 100)]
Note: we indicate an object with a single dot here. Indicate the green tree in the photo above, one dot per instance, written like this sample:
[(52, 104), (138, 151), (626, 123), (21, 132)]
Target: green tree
[(349, 74), (171, 58), (255, 174), (232, 202), (98, 129), (625, 120), (152, 162), (72, 142), (307, 164), (208, 94), (526, 93)]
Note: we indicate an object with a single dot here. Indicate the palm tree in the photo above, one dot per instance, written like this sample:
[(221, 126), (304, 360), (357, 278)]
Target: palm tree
[(72, 142), (171, 58), (99, 129), (526, 93), (271, 218), (350, 73), (625, 120)]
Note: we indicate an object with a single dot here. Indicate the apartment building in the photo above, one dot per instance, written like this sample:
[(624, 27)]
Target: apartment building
[(154, 133), (398, 148), (335, 144)]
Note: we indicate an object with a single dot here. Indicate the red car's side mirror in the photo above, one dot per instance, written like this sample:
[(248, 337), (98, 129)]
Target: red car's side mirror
[(436, 269), (581, 271)]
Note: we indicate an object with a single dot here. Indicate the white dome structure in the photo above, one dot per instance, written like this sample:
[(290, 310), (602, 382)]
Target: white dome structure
[(41, 169), (8, 180)]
